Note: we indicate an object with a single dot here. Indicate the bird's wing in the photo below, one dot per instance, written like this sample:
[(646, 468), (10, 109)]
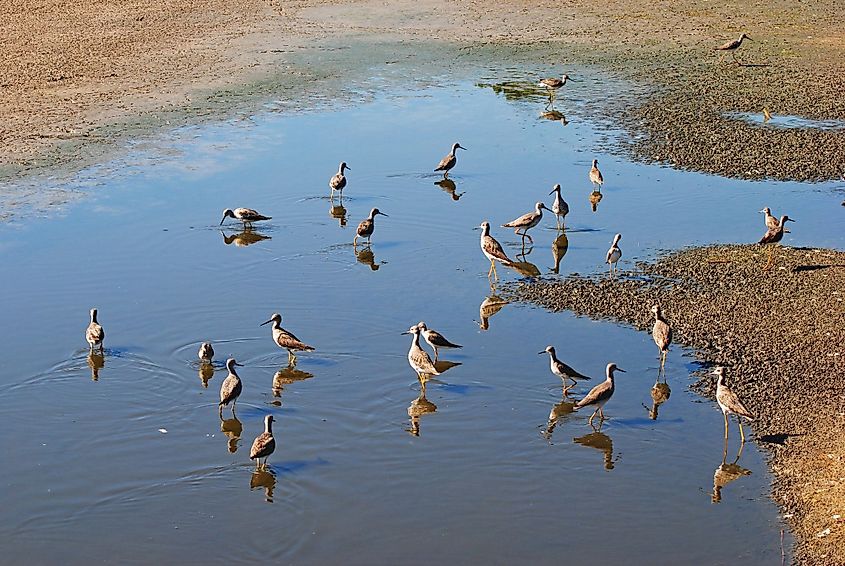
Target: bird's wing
[(494, 248), (730, 400), (609, 253), (662, 334), (422, 360), (567, 370), (732, 44), (522, 220), (445, 162), (365, 226), (439, 340), (226, 388), (286, 339), (263, 444), (553, 83), (596, 394), (771, 235), (94, 333)]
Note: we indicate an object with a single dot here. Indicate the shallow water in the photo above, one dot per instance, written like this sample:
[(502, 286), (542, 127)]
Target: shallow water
[(124, 458), (786, 121)]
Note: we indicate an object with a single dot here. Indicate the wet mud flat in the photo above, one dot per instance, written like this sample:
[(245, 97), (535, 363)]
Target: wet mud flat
[(780, 332)]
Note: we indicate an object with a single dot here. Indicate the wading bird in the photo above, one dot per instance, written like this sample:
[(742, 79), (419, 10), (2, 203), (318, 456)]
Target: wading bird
[(285, 339), (600, 394), (449, 161)]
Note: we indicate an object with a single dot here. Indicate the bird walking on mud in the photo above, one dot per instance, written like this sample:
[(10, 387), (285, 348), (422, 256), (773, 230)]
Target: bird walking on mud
[(732, 46), (773, 236), (435, 339), (595, 174), (614, 254), (661, 333), (418, 358), (600, 394), (560, 208), (94, 334), (527, 221), (285, 339), (367, 226), (449, 161), (492, 250), (231, 387), (338, 181), (245, 215), (562, 370), (729, 402), (264, 444)]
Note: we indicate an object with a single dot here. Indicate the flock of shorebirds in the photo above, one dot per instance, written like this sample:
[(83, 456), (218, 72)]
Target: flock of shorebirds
[(418, 358)]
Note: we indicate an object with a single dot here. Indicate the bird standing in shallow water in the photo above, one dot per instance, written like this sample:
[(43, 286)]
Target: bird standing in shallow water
[(418, 358), (600, 394), (661, 333), (206, 352), (559, 207), (231, 387), (435, 339), (338, 182), (560, 369), (732, 46), (773, 236), (492, 250), (614, 254), (527, 221), (285, 339), (595, 174), (94, 334), (264, 444), (367, 226), (552, 84), (245, 215), (729, 402), (449, 161)]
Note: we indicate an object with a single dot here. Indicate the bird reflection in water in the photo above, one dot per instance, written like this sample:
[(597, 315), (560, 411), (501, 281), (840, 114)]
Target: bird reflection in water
[(726, 473), (491, 304), (600, 441), (243, 239), (558, 413), (265, 478), (559, 248), (96, 361), (448, 186), (232, 428), (419, 407), (206, 372), (659, 394), (286, 376), (524, 267), (366, 256), (338, 211), (595, 199), (554, 116)]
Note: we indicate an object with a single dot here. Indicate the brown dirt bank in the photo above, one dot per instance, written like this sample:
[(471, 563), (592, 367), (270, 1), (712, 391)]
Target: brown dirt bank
[(781, 333)]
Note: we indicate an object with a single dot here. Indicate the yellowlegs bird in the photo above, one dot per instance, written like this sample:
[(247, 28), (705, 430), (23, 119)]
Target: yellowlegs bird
[(729, 402), (245, 215), (95, 334), (600, 394), (338, 182), (492, 250), (231, 387), (661, 333), (552, 84), (559, 206), (527, 221), (614, 253), (771, 222), (449, 161), (418, 358), (285, 339), (560, 369), (264, 444), (367, 226), (206, 352), (732, 46), (773, 236), (435, 339), (595, 174)]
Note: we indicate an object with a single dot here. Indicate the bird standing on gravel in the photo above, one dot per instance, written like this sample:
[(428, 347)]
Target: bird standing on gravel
[(772, 236)]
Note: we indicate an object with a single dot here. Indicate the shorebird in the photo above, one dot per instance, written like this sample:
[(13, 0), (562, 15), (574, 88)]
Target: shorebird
[(600, 394), (527, 221), (366, 227), (231, 387), (595, 174), (338, 182), (662, 333), (245, 215), (732, 46), (206, 352), (614, 253), (766, 114), (94, 334), (771, 222), (435, 339), (552, 84), (418, 358), (729, 402), (492, 250), (449, 161), (560, 369), (285, 339), (264, 444), (559, 206), (773, 236)]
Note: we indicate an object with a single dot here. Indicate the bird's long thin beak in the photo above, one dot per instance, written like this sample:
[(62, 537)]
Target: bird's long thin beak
[(790, 220), (222, 221), (553, 191), (348, 168), (268, 322), (383, 214), (540, 353), (404, 333), (477, 228), (237, 364), (622, 370), (761, 211)]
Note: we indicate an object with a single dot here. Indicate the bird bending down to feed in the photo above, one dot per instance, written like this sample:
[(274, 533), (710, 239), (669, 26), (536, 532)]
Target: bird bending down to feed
[(449, 161), (661, 333), (614, 254), (338, 182), (729, 402), (527, 221), (771, 222), (264, 444), (732, 46), (492, 250), (773, 236), (435, 339), (559, 207), (600, 394), (206, 352), (595, 174), (94, 334), (554, 83), (367, 226), (560, 369), (245, 215), (231, 387), (417, 357), (285, 339)]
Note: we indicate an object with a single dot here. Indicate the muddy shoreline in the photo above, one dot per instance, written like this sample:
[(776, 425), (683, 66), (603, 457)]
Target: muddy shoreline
[(780, 333)]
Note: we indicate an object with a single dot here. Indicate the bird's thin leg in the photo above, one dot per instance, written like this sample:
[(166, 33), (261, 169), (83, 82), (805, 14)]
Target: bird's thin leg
[(492, 265), (726, 425), (601, 414), (530, 239), (590, 421), (354, 241), (741, 434), (435, 354), (446, 174), (495, 273)]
